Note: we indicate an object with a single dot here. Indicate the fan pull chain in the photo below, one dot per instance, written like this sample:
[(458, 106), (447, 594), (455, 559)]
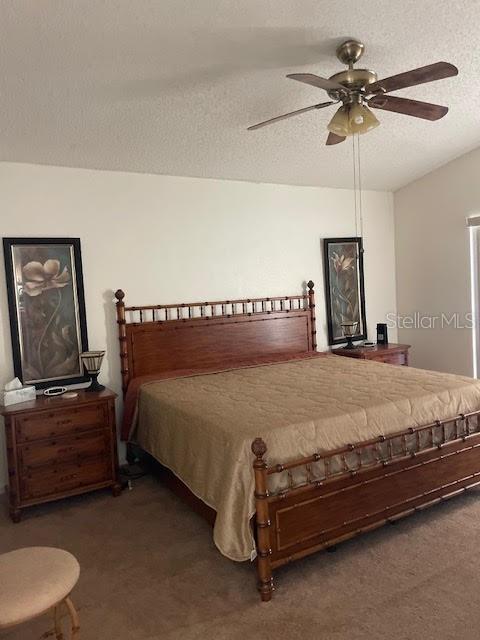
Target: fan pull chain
[(357, 186), (354, 185), (359, 171)]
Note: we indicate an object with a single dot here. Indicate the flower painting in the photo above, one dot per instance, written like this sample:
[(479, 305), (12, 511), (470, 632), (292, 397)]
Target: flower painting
[(47, 309), (344, 287)]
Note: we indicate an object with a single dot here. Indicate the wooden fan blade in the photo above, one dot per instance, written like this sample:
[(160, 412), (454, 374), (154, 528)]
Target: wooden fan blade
[(429, 73), (414, 108), (289, 115), (317, 81), (334, 139)]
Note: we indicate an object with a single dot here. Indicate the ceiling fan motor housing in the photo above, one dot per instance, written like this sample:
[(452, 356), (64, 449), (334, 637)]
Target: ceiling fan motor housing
[(353, 79)]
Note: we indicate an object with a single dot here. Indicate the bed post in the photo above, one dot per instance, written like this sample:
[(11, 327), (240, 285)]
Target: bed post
[(122, 336), (264, 568), (311, 306)]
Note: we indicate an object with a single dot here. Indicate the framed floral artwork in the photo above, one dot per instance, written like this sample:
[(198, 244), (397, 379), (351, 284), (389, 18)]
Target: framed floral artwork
[(344, 287), (47, 309)]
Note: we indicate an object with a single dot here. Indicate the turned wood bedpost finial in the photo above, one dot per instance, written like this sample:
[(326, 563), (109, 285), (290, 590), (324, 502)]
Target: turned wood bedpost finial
[(259, 448), (122, 336), (311, 306), (264, 550)]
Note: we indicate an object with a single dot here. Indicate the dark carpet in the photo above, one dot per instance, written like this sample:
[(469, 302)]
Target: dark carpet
[(150, 571)]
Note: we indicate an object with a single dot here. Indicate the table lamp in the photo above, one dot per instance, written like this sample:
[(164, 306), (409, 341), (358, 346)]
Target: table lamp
[(92, 361), (349, 331)]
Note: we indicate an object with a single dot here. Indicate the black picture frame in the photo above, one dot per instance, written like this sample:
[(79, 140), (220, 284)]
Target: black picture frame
[(54, 281), (349, 261)]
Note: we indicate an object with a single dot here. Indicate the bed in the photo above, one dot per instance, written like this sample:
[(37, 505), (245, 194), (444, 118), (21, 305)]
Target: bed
[(352, 444)]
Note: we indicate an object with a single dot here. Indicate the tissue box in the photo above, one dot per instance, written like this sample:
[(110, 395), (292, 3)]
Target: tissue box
[(24, 394)]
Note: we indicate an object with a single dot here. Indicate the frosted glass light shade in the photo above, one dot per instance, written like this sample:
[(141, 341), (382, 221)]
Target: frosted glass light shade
[(339, 124), (361, 119)]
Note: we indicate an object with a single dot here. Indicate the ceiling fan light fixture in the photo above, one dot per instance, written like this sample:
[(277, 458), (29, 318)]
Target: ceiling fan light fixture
[(361, 119), (339, 124)]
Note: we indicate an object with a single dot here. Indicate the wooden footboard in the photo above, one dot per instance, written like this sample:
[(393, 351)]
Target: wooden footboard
[(358, 488)]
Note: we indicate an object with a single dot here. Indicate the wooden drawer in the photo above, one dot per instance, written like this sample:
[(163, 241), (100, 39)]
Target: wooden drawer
[(391, 358), (82, 446), (49, 424), (61, 479)]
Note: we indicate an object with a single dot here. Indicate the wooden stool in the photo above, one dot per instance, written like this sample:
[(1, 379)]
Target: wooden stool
[(35, 580)]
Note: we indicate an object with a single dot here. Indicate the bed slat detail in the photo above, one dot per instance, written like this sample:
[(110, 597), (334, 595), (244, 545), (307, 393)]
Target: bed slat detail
[(395, 447)]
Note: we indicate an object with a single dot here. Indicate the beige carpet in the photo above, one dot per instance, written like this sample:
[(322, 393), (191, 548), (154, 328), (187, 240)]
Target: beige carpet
[(150, 571)]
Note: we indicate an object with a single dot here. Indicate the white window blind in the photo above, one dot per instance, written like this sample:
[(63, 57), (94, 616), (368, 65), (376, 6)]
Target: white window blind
[(474, 229), (473, 221)]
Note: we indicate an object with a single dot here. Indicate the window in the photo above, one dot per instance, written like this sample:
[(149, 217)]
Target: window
[(474, 231)]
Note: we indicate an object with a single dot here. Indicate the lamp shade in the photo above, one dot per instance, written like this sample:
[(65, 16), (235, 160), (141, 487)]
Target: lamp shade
[(350, 329), (339, 124), (92, 360), (361, 119)]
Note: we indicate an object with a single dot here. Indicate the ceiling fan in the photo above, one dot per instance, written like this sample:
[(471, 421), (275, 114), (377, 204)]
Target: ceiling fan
[(359, 90)]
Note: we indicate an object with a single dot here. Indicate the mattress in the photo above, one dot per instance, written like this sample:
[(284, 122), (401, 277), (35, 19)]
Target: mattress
[(201, 425)]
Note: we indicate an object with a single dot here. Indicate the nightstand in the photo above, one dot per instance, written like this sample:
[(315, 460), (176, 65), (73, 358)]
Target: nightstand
[(59, 447), (389, 353)]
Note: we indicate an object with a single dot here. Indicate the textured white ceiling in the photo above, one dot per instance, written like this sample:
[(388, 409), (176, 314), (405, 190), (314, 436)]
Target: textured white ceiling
[(170, 86)]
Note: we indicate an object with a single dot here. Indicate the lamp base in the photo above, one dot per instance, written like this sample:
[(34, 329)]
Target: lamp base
[(94, 384), (349, 344)]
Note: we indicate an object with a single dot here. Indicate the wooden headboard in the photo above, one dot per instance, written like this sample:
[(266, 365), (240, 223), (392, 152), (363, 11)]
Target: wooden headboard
[(171, 337)]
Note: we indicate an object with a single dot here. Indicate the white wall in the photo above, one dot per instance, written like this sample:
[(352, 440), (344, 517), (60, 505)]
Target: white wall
[(433, 267), (168, 239)]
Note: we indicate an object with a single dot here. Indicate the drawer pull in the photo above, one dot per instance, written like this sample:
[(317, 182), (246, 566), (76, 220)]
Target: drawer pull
[(70, 477), (60, 422), (66, 450)]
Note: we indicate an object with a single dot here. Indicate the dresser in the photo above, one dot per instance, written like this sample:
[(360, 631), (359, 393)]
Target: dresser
[(390, 353), (59, 447)]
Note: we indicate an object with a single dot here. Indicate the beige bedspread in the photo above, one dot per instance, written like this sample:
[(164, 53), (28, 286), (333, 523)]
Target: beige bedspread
[(202, 426)]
